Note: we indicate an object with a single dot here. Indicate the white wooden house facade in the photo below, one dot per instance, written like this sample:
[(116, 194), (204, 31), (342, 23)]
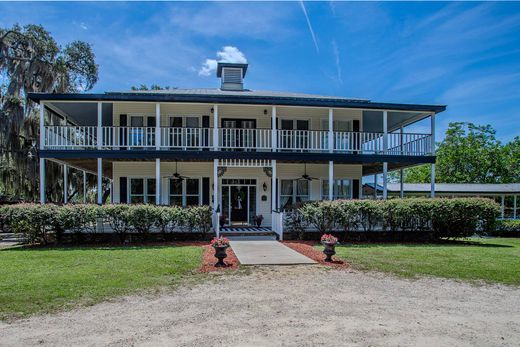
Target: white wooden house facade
[(243, 152)]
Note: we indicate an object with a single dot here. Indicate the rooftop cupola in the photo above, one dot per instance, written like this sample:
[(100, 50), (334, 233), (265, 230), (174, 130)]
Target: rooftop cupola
[(231, 75)]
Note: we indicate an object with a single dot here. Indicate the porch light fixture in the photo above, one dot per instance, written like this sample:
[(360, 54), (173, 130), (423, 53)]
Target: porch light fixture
[(268, 171), (265, 187), (265, 112), (212, 110), (221, 171)]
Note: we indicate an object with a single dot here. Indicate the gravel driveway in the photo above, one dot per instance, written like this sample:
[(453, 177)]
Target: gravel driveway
[(290, 306)]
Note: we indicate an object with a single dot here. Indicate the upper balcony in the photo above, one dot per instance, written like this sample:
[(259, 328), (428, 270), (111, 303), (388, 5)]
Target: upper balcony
[(233, 139)]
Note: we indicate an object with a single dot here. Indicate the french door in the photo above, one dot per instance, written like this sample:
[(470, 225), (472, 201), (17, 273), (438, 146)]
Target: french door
[(294, 134)]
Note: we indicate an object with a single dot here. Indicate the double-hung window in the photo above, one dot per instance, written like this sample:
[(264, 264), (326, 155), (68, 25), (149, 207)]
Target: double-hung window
[(293, 192), (342, 189), (142, 191), (185, 192)]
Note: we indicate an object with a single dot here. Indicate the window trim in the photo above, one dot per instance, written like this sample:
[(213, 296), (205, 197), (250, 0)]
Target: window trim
[(325, 195), (294, 190), (184, 116), (145, 188), (184, 191)]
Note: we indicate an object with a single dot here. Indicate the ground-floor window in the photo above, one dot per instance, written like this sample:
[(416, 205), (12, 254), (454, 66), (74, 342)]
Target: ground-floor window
[(142, 191), (184, 192), (342, 189), (293, 192)]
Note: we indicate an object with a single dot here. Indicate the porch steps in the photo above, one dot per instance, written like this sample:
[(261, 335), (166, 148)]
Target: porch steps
[(249, 233)]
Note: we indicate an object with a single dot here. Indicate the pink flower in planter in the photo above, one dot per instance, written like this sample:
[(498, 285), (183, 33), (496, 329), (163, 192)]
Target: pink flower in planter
[(220, 242), (328, 238)]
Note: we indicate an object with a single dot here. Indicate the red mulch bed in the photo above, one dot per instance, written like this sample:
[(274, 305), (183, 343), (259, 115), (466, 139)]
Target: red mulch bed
[(307, 248), (209, 260)]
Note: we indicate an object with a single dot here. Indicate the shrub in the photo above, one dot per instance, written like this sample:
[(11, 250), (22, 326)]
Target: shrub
[(141, 218), (117, 218), (321, 214), (506, 228), (34, 221), (294, 222), (436, 218)]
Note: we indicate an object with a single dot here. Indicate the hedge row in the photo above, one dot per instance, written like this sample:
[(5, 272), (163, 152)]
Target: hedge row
[(506, 228), (38, 222), (459, 217)]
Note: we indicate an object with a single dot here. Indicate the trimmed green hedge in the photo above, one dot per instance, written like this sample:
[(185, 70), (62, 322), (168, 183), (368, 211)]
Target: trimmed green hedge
[(459, 217), (37, 222), (506, 228)]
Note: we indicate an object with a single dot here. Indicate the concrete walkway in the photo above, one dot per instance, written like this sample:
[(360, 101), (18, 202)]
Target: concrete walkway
[(267, 253)]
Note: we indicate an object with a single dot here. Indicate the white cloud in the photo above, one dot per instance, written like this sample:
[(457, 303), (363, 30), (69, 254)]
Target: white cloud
[(228, 54), (337, 60)]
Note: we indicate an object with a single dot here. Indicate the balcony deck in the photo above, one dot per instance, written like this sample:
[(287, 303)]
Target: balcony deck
[(259, 140)]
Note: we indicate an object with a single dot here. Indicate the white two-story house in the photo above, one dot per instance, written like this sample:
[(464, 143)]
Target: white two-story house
[(244, 152)]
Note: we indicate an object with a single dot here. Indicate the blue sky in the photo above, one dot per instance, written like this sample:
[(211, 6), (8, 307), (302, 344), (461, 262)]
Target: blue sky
[(463, 54)]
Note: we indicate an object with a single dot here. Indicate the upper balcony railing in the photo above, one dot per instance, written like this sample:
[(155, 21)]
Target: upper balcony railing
[(113, 138)]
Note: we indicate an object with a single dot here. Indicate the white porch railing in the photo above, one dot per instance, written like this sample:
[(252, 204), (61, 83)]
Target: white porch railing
[(117, 137), (71, 137), (233, 138), (81, 137), (277, 223), (186, 138)]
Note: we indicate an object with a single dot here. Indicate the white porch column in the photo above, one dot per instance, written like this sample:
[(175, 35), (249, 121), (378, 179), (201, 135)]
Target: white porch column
[(99, 181), (42, 181), (331, 130), (401, 182), (385, 180), (215, 186), (432, 194), (111, 191), (274, 133), (502, 206), (385, 151), (274, 194), (65, 184), (157, 181), (401, 171), (99, 125), (84, 187), (514, 206), (42, 125), (215, 128), (375, 186), (331, 180), (157, 126)]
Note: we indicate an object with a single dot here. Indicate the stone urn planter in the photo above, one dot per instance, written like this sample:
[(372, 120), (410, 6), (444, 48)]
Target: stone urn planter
[(220, 245), (329, 243)]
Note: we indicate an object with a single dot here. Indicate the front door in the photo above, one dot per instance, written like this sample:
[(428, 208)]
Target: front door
[(239, 204)]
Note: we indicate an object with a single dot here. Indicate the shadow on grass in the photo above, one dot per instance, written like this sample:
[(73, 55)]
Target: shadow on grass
[(448, 243), (115, 247)]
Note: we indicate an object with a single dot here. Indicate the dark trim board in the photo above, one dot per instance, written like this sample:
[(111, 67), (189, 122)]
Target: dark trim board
[(290, 157), (237, 99)]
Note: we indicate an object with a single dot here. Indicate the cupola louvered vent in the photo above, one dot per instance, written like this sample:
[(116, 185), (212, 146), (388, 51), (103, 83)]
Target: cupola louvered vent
[(232, 75)]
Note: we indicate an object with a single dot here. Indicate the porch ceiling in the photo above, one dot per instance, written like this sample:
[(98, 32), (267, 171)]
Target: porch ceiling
[(83, 113)]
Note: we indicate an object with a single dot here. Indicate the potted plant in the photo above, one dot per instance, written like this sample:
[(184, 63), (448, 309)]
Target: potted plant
[(258, 220), (329, 242), (222, 219), (220, 244)]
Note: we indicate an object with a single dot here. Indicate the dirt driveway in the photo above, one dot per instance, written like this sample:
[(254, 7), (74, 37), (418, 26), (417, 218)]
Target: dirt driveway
[(289, 306)]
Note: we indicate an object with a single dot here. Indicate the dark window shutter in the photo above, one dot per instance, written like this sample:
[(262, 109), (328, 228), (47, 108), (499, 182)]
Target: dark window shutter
[(122, 190), (205, 190), (355, 189), (205, 124), (355, 125), (123, 119), (205, 121), (150, 121)]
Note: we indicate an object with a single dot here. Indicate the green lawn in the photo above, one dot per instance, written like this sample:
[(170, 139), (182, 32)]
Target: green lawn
[(490, 260), (42, 280)]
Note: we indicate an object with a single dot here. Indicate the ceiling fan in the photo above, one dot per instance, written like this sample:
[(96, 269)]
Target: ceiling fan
[(176, 175), (305, 176)]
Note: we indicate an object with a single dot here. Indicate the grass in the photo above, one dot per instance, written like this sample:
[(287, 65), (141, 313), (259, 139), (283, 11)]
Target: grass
[(489, 260), (35, 280)]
